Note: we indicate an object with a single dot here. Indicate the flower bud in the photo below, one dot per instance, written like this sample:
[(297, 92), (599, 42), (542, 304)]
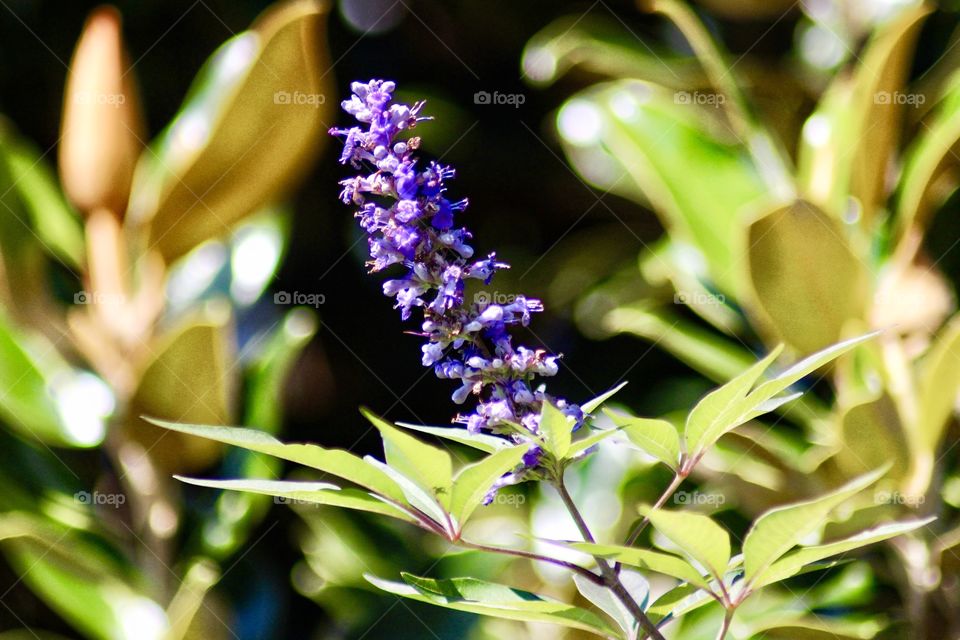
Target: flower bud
[(102, 126)]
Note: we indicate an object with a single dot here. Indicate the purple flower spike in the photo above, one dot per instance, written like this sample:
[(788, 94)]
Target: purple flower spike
[(410, 221)]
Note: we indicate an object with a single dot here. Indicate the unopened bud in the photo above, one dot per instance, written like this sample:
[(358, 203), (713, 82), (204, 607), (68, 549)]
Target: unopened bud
[(102, 125)]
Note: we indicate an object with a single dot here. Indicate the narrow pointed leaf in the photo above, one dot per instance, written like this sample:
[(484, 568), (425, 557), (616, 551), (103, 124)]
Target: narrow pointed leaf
[(495, 600), (795, 562), (599, 435), (779, 530), (312, 492), (482, 441), (712, 416), (414, 494), (336, 462), (590, 406)]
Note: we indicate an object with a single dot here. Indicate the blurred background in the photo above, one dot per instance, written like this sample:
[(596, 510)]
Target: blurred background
[(98, 541)]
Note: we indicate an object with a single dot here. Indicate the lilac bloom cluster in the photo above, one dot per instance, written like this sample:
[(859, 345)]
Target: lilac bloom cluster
[(404, 209)]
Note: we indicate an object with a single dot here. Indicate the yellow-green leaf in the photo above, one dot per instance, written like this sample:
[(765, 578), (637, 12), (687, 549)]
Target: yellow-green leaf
[(807, 281), (246, 134)]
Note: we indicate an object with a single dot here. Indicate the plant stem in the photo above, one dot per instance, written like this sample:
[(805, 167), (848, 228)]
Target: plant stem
[(725, 627), (669, 491), (610, 578), (586, 573)]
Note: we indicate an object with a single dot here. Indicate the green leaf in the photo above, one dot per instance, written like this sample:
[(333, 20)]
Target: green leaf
[(698, 536), (482, 441), (495, 600), (187, 601), (295, 491), (474, 481), (419, 498), (657, 438), (816, 627), (635, 139), (55, 223), (657, 561), (190, 376), (929, 157), (604, 599), (803, 368), (601, 45), (847, 143), (872, 435), (598, 435), (336, 462), (28, 364), (248, 130), (426, 465), (806, 278), (729, 408), (590, 406), (937, 384), (556, 430), (793, 563), (712, 415), (79, 579), (678, 601), (779, 530)]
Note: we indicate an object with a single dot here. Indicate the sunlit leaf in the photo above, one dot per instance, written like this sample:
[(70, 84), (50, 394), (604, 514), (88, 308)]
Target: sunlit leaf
[(482, 441), (474, 482), (792, 563), (592, 405), (336, 462), (428, 466), (698, 536), (556, 429), (646, 559), (294, 492), (807, 280), (495, 600), (713, 414), (190, 377), (631, 136), (777, 531), (604, 599), (249, 127), (657, 438)]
